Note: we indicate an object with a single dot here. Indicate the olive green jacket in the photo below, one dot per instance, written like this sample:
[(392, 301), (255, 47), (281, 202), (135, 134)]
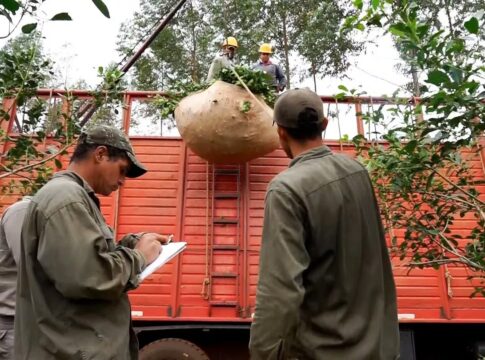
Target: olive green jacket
[(73, 279), (326, 289), (220, 62)]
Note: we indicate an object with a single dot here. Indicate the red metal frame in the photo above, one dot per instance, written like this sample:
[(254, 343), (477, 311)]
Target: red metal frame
[(448, 306), (179, 231), (129, 96)]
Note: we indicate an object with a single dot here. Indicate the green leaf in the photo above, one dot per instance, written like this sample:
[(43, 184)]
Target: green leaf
[(27, 29), (102, 7), (360, 26), (472, 25), (342, 87), (10, 5), (410, 146), (358, 4), (437, 77), (399, 29), (58, 163), (64, 16), (456, 74), (472, 86), (375, 4), (339, 96), (375, 20)]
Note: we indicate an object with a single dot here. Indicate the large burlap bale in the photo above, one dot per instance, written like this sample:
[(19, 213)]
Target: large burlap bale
[(214, 126)]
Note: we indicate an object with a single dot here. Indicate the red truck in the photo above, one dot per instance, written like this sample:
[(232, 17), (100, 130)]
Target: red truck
[(199, 305)]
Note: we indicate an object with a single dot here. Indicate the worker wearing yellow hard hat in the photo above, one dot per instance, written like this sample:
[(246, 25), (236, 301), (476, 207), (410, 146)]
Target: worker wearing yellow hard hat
[(274, 70), (225, 59), (230, 41), (265, 49)]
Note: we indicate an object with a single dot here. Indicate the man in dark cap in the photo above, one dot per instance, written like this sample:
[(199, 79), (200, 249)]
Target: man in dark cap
[(73, 278), (326, 289)]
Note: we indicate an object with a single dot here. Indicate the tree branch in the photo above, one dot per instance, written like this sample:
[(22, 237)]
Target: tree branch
[(447, 261), (455, 186), (33, 166)]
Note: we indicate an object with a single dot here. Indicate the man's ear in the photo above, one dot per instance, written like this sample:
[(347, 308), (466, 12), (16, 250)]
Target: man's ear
[(324, 123), (282, 133), (99, 153)]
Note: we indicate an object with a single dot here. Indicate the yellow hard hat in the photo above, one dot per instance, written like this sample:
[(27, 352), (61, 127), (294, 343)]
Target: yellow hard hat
[(230, 41), (266, 48)]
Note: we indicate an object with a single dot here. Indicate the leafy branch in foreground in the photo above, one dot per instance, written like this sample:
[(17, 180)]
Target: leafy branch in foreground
[(422, 173)]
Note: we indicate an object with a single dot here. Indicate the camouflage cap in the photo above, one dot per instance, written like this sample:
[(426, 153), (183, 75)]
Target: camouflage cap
[(111, 136), (291, 108)]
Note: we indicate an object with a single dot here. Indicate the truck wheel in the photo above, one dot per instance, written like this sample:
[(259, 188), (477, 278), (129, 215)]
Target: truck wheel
[(172, 349)]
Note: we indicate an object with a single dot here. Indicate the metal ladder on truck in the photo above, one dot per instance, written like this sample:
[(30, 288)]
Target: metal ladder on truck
[(222, 285)]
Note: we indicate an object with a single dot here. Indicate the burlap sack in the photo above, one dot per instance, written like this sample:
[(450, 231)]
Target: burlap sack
[(214, 126)]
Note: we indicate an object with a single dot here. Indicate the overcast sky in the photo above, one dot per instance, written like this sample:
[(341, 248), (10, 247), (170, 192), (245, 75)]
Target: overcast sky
[(89, 41)]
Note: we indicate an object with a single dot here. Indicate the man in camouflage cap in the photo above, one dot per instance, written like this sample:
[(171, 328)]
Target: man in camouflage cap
[(73, 278), (107, 135)]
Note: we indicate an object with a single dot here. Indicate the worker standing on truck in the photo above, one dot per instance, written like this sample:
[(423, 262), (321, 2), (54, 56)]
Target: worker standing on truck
[(274, 70), (10, 226), (326, 289), (73, 278), (225, 59)]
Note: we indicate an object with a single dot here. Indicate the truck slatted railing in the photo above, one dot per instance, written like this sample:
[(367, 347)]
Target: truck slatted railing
[(137, 113)]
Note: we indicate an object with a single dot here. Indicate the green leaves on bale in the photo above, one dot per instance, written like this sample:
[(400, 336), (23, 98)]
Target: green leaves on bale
[(257, 81)]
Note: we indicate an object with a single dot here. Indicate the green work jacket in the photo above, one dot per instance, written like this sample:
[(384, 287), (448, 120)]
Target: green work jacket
[(73, 279), (326, 288)]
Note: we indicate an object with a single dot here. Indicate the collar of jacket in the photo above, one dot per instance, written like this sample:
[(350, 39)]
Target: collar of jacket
[(265, 63), (311, 154), (71, 175)]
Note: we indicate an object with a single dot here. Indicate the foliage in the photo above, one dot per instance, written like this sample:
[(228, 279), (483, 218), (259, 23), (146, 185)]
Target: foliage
[(421, 174), (257, 81), (43, 128), (108, 97), (321, 44), (303, 30), (167, 104), (306, 30), (14, 11), (36, 120), (438, 14), (23, 63), (181, 51), (245, 20)]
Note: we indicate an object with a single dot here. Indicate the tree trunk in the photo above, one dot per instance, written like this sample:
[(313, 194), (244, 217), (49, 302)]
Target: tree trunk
[(195, 77), (414, 74), (286, 50), (314, 73), (448, 15)]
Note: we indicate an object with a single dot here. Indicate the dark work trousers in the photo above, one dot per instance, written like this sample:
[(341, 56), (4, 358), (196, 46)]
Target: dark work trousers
[(6, 337)]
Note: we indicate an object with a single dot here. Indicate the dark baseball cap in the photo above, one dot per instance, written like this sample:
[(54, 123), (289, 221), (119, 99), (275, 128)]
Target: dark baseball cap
[(296, 107), (108, 135)]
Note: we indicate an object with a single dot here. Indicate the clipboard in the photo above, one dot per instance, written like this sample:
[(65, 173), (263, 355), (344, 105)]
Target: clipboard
[(169, 251)]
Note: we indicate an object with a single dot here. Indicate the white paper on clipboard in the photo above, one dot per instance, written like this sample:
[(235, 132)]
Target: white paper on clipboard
[(169, 251)]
